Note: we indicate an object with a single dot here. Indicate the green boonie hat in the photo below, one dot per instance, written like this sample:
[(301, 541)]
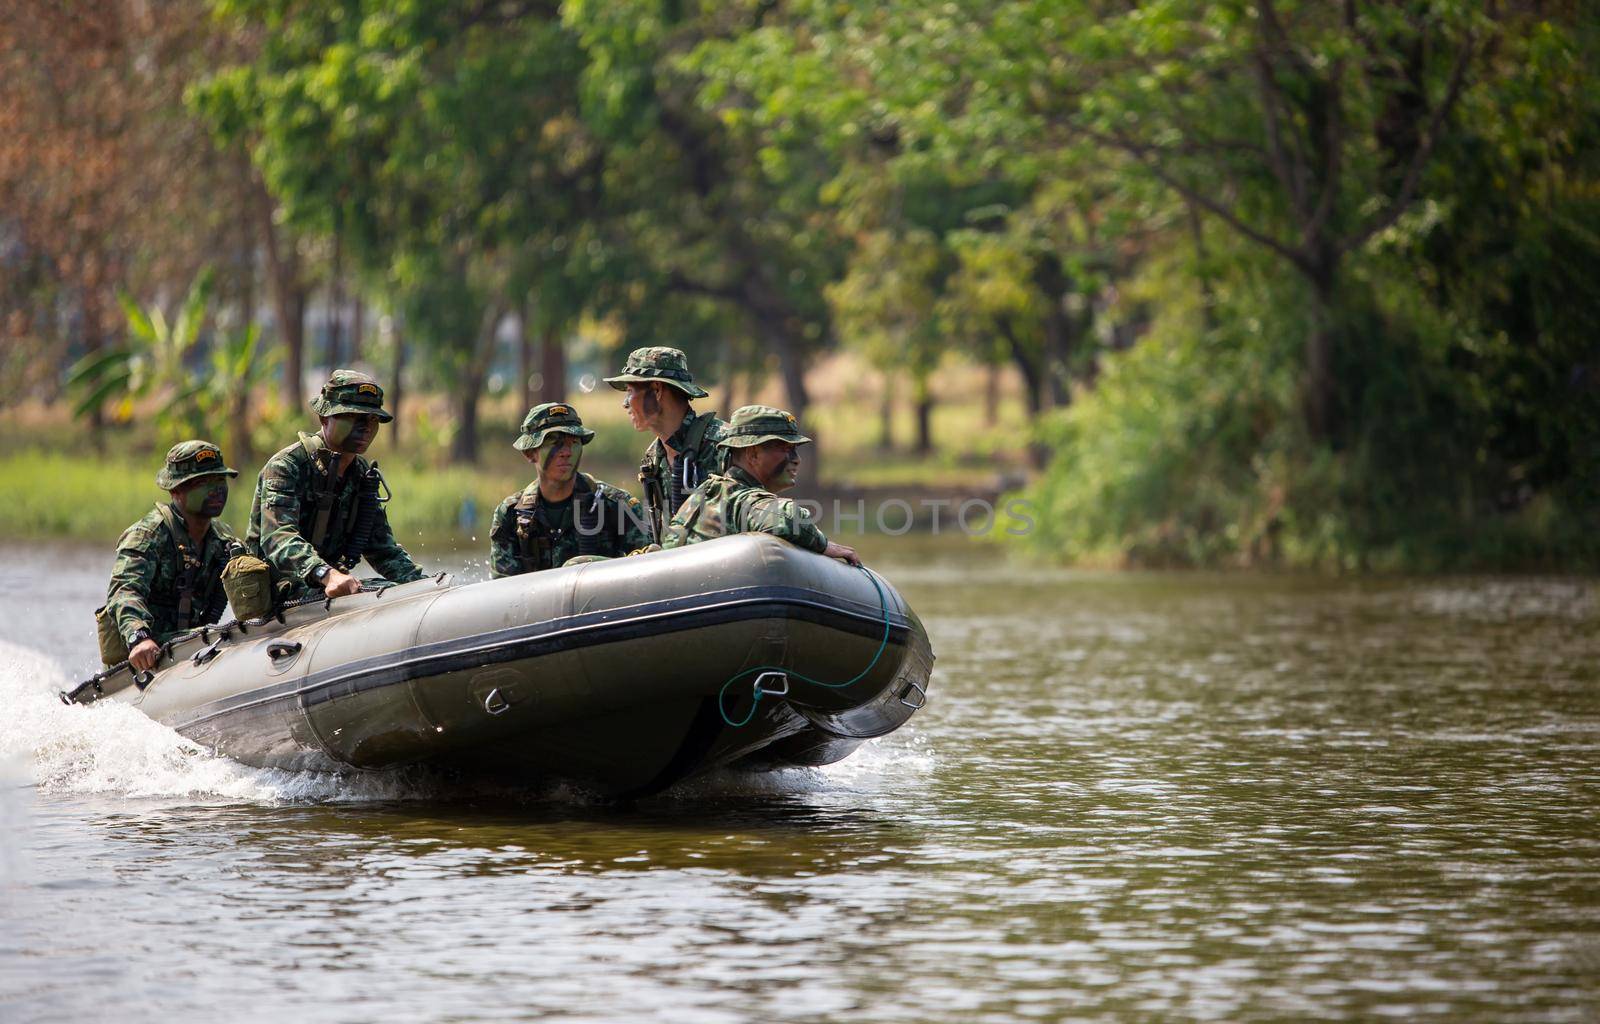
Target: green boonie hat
[(668, 365), (187, 460), (753, 424), (551, 418), (351, 391)]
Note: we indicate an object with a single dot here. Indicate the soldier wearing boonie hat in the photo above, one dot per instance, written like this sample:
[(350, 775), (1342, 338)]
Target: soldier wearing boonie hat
[(563, 514), (684, 452), (763, 458), (317, 509), (167, 578)]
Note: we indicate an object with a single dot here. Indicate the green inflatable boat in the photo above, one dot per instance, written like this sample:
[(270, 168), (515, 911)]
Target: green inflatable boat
[(625, 675)]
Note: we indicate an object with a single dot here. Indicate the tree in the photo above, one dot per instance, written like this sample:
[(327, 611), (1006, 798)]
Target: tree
[(436, 145)]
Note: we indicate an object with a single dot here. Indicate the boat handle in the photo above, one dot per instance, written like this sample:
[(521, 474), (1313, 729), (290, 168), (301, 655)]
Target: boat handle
[(208, 652), (759, 690), (494, 703), (143, 679), (282, 648), (922, 695)]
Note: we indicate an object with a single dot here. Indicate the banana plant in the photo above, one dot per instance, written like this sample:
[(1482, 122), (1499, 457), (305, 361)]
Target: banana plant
[(237, 367), (152, 360)]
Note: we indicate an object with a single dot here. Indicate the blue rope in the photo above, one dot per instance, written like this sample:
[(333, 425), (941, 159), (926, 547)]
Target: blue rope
[(883, 603)]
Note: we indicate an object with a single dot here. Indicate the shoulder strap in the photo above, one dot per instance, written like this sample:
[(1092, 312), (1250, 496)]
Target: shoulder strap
[(654, 497), (189, 561), (532, 544), (326, 491)]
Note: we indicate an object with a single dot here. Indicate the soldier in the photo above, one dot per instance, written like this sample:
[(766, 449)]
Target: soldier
[(763, 457), (684, 451), (563, 513), (168, 575), (316, 511)]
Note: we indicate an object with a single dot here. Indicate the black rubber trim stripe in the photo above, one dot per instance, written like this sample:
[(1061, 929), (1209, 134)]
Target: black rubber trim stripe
[(574, 631)]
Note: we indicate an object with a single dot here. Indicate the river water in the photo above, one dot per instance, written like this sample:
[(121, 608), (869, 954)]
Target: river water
[(1130, 797)]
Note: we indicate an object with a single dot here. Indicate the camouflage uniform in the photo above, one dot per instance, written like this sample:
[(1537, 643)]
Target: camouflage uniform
[(303, 517), (735, 502), (162, 583), (529, 533), (667, 483)]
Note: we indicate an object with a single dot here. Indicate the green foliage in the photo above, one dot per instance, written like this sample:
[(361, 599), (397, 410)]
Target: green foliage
[(1190, 450), (1306, 284), (51, 494), (153, 361)]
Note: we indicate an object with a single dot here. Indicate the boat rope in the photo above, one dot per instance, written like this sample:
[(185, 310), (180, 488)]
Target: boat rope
[(755, 703)]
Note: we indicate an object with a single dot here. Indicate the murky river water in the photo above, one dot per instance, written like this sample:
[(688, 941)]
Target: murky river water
[(1129, 798)]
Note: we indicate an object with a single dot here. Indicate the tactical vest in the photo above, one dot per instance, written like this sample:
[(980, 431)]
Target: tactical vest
[(325, 492), (536, 541), (685, 476), (192, 589)]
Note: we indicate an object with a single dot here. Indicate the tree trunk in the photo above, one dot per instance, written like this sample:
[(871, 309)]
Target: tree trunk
[(464, 446), (336, 305), (791, 364), (525, 355), (1052, 280), (288, 300), (358, 326), (991, 394), (923, 397), (1318, 388), (1031, 387), (553, 365), (1202, 259), (239, 415), (886, 414), (93, 341), (395, 387)]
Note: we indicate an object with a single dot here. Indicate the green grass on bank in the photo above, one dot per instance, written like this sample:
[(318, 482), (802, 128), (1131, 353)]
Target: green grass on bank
[(50, 495)]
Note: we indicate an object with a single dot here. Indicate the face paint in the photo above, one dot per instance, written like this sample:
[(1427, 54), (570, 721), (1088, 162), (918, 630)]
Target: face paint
[(206, 501), (350, 433), (554, 448), (649, 404), (790, 467)]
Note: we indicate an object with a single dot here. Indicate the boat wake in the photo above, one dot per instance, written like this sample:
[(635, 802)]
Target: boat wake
[(110, 748)]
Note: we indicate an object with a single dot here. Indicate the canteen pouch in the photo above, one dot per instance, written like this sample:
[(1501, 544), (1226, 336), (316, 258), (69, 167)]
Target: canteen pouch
[(247, 581), (113, 650)]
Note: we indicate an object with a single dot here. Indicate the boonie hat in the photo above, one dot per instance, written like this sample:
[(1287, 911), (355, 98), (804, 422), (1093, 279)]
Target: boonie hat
[(755, 424), (187, 460), (550, 418), (351, 391), (667, 365)]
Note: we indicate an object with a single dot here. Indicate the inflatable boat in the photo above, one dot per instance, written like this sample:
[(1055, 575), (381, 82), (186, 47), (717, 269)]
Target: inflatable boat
[(625, 675)]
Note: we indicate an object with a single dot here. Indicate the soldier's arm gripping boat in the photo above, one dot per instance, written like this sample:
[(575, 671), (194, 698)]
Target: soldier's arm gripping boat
[(609, 672)]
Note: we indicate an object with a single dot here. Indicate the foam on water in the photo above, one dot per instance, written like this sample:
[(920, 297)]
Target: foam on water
[(111, 748)]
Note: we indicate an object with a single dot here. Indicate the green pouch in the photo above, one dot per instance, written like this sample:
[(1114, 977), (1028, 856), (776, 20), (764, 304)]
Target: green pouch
[(247, 581), (113, 650)]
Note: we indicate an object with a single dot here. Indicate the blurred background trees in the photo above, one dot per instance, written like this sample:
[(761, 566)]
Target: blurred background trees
[(1268, 282)]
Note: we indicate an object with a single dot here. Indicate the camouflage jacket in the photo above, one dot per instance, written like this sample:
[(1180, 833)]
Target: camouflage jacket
[(733, 502), (529, 534), (695, 441), (284, 514), (147, 580)]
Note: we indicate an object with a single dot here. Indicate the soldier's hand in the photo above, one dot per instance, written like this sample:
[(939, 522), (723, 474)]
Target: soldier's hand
[(837, 550), (647, 549), (338, 584), (144, 655)]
